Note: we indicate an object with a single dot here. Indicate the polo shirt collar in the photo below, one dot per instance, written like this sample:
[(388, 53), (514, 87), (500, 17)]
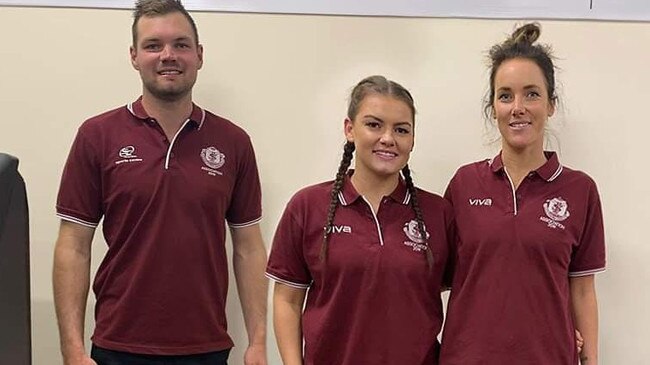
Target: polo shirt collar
[(137, 109), (549, 171), (349, 194)]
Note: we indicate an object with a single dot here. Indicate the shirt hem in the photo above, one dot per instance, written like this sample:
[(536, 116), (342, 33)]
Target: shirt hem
[(162, 350)]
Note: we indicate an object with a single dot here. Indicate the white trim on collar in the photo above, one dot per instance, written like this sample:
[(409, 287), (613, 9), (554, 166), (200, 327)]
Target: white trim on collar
[(202, 117), (129, 107), (342, 198), (407, 198), (556, 174)]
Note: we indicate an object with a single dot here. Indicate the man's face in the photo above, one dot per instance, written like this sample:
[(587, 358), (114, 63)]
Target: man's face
[(167, 56)]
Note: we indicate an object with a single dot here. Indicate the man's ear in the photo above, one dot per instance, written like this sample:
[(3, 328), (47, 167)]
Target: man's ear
[(132, 54), (199, 53)]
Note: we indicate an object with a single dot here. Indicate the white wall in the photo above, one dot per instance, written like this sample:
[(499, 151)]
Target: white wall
[(285, 79)]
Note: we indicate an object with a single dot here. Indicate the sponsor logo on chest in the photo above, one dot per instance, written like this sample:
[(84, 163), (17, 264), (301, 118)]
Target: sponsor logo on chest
[(213, 160), (340, 229), (415, 240), (127, 155), (480, 202), (557, 210)]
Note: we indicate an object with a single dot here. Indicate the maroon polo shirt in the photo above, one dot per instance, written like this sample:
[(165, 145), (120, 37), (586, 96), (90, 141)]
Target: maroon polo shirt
[(161, 288), (510, 298), (374, 301)]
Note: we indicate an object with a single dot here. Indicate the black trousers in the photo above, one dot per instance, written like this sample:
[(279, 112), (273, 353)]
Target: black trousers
[(110, 357)]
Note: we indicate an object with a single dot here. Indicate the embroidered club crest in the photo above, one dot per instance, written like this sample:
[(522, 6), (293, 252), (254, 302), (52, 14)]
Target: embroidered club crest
[(557, 209), (413, 233), (415, 240), (212, 157)]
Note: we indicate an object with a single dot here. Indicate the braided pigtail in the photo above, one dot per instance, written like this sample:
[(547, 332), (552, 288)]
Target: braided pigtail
[(348, 149), (406, 172)]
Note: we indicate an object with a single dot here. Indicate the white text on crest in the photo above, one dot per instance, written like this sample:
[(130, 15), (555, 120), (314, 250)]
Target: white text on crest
[(479, 202)]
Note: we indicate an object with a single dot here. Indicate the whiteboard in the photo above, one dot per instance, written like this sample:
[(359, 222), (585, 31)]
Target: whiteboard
[(634, 10)]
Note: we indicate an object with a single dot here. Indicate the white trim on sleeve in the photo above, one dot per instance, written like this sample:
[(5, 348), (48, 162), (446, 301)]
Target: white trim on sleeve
[(246, 224), (72, 219), (287, 282), (586, 272)]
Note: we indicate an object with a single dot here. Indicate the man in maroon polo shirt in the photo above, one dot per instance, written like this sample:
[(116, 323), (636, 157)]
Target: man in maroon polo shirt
[(164, 175)]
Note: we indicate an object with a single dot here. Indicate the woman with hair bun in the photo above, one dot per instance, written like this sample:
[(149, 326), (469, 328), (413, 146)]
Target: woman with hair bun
[(366, 250), (530, 230)]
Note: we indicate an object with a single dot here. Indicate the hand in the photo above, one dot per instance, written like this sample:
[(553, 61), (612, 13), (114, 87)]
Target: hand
[(579, 341), (80, 360), (255, 355)]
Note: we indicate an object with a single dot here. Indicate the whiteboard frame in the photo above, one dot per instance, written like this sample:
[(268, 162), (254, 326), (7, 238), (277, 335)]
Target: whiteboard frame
[(626, 10)]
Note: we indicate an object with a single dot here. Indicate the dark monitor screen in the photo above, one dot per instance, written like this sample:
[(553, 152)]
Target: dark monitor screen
[(15, 328)]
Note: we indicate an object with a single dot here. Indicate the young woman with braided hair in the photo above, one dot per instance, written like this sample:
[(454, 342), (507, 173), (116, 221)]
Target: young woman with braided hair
[(530, 231), (359, 261)]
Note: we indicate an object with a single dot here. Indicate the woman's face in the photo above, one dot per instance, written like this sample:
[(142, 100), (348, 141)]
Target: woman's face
[(521, 104), (382, 133)]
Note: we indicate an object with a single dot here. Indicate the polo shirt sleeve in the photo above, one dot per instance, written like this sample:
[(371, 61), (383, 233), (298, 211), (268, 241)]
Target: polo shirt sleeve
[(287, 264), (589, 255), (80, 193), (246, 201)]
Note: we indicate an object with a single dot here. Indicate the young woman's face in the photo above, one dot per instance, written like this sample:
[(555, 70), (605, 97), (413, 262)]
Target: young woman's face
[(382, 133), (521, 104)]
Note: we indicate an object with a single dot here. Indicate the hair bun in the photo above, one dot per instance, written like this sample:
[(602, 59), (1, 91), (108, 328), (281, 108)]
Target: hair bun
[(527, 33)]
